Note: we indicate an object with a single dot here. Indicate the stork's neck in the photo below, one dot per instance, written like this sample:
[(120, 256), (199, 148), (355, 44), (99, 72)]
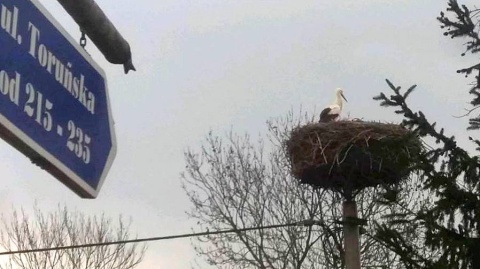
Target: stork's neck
[(339, 100)]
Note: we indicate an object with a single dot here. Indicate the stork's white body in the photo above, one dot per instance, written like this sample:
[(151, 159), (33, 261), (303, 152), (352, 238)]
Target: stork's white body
[(332, 112)]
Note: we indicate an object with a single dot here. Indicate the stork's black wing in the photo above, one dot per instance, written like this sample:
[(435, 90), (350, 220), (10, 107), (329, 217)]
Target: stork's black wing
[(325, 117)]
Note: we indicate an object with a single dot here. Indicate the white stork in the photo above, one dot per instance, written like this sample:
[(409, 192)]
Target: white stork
[(332, 112)]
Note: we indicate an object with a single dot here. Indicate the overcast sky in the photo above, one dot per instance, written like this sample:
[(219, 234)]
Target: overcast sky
[(218, 65)]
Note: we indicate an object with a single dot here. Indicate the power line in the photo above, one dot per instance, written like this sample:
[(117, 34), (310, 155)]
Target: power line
[(139, 240)]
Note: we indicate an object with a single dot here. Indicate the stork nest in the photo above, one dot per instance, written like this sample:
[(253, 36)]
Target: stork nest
[(351, 155)]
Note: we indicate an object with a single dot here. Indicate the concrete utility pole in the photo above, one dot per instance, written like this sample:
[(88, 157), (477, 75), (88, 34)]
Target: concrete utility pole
[(101, 31), (351, 235)]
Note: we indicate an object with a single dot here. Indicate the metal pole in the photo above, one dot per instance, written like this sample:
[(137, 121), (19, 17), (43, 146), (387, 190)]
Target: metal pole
[(100, 30), (351, 235)]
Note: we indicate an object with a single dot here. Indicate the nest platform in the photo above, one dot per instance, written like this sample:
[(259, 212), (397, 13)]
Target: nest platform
[(348, 156)]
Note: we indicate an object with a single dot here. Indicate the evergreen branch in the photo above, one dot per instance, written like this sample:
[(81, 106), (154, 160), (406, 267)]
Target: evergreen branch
[(453, 202)]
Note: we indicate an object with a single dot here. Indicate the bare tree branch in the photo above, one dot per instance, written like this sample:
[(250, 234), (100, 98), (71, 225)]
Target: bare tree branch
[(63, 227)]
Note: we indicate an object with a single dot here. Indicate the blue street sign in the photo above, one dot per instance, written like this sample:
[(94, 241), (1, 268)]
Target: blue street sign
[(54, 104)]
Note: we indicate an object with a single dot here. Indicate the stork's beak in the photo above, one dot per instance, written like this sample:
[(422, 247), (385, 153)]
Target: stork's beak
[(344, 98)]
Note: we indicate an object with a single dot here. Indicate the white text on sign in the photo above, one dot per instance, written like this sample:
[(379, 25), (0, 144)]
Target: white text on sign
[(62, 72)]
